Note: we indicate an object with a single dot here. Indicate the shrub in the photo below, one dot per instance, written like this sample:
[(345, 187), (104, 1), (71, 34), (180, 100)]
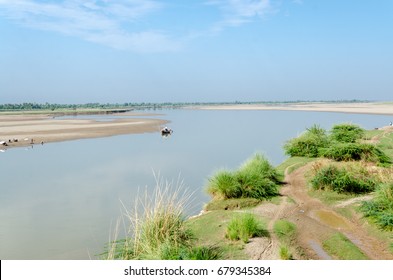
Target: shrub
[(346, 133), (380, 209), (341, 145), (355, 151), (256, 178), (351, 180), (242, 227), (224, 184), (307, 144)]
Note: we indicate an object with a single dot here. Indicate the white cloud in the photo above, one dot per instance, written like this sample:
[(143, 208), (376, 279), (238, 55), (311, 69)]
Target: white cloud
[(120, 23), (238, 12), (99, 21)]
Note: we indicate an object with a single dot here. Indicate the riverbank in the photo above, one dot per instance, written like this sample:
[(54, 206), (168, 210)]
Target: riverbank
[(24, 130), (353, 108)]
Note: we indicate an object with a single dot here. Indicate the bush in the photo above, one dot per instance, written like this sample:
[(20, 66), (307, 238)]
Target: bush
[(341, 145), (307, 144), (355, 151), (256, 178), (242, 227), (346, 133), (351, 180), (224, 184), (380, 209)]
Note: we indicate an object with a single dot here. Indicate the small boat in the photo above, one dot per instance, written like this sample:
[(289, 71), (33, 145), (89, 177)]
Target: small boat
[(166, 131)]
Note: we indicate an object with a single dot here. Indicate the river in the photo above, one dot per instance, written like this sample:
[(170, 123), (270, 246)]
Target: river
[(62, 200)]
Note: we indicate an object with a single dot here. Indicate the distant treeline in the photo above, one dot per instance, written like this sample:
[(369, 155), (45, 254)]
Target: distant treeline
[(143, 105)]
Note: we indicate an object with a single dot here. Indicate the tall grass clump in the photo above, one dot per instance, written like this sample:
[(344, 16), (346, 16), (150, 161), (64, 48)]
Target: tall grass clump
[(356, 152), (224, 184), (157, 228), (353, 179), (380, 209), (307, 144), (243, 227), (342, 143), (346, 133), (256, 178)]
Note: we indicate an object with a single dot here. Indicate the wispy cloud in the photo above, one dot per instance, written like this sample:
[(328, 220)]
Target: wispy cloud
[(99, 21), (121, 24), (238, 12)]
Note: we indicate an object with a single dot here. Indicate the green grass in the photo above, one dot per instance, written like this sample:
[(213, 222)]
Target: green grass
[(380, 208), (342, 248), (345, 142), (209, 230), (232, 204), (158, 229), (353, 178), (308, 143), (292, 164), (285, 253), (244, 226), (346, 133), (330, 197), (386, 144), (256, 178), (285, 230), (286, 234)]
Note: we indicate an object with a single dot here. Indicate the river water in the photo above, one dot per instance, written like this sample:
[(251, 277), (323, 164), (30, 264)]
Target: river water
[(62, 200)]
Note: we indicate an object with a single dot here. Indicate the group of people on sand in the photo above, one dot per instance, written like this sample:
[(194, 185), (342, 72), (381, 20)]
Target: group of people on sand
[(15, 140)]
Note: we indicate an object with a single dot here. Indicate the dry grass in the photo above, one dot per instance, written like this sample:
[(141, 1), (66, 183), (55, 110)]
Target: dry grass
[(155, 226)]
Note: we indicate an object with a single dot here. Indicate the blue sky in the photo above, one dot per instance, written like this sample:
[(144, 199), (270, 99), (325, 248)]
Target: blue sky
[(195, 51)]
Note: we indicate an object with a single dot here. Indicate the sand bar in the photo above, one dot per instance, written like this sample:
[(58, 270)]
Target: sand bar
[(28, 129), (353, 108)]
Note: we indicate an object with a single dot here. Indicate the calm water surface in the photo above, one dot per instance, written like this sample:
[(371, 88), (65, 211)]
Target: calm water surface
[(61, 200)]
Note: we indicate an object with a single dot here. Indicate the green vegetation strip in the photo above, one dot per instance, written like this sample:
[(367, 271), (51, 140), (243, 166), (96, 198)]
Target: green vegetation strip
[(286, 233), (342, 248), (380, 208)]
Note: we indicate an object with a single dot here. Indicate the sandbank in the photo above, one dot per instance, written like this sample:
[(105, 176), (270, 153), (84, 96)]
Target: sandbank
[(353, 108), (24, 130)]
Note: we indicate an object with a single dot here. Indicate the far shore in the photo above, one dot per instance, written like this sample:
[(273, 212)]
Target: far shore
[(353, 108), (24, 129), (20, 130)]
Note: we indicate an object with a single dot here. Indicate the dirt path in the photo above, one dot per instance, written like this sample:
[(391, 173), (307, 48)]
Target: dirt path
[(314, 221)]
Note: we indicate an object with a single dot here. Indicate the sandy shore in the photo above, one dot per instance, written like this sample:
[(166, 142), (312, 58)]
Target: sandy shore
[(37, 129), (354, 108)]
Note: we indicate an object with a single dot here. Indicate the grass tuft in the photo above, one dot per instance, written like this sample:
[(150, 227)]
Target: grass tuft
[(243, 227), (256, 178), (158, 230)]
